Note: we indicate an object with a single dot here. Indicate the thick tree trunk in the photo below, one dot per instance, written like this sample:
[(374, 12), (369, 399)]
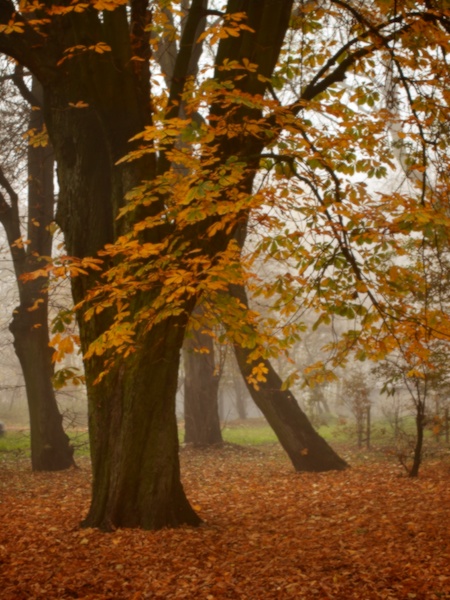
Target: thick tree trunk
[(132, 421), (201, 392), (50, 446), (307, 450)]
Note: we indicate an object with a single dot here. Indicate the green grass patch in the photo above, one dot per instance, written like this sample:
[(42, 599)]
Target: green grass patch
[(250, 434), (80, 442), (15, 443)]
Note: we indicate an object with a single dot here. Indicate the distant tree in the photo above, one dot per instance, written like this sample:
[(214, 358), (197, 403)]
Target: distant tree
[(396, 374), (356, 396), (401, 375), (201, 389)]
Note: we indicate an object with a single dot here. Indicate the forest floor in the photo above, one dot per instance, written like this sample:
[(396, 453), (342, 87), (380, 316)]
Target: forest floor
[(268, 533)]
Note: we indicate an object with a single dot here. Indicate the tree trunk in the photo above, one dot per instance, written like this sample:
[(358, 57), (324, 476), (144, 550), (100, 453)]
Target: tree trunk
[(239, 391), (132, 420), (307, 450), (134, 437), (201, 389), (368, 427), (420, 424), (50, 446)]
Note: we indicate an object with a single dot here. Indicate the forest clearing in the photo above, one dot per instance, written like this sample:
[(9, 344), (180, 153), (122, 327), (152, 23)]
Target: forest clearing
[(367, 532)]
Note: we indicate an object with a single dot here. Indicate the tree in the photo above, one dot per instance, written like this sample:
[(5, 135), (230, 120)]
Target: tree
[(201, 390), (396, 374), (307, 450), (356, 396), (175, 238), (202, 383), (96, 82), (50, 446), (418, 363)]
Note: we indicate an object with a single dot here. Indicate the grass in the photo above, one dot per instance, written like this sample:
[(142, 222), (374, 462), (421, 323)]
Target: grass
[(256, 432), (250, 432), (15, 443)]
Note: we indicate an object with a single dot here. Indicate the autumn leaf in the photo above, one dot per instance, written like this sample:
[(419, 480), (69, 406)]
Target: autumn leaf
[(355, 544)]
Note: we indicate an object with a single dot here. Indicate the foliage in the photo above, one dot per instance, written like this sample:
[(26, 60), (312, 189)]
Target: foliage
[(360, 533), (305, 161)]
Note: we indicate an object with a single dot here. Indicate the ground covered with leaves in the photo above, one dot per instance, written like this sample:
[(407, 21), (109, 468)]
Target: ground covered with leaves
[(368, 532)]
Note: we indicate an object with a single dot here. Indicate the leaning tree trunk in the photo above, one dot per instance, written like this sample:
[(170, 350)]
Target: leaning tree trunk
[(50, 446), (201, 391), (307, 450)]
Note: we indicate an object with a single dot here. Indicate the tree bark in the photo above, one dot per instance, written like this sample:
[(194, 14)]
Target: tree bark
[(50, 445), (418, 448), (132, 421), (240, 394), (135, 440), (307, 450), (201, 392)]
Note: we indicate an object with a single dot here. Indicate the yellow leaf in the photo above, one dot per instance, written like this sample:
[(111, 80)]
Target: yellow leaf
[(100, 48), (259, 372), (79, 104), (35, 305), (108, 4), (11, 27)]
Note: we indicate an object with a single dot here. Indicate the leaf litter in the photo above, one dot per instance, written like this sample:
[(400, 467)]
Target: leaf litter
[(268, 533)]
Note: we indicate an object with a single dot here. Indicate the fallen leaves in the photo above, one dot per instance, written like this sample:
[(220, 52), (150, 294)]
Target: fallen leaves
[(269, 533)]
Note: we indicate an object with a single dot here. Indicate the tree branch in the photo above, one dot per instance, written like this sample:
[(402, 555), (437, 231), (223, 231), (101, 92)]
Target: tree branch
[(25, 92), (28, 47)]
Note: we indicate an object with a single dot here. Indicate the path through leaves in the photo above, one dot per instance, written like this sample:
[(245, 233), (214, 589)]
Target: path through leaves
[(269, 533)]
